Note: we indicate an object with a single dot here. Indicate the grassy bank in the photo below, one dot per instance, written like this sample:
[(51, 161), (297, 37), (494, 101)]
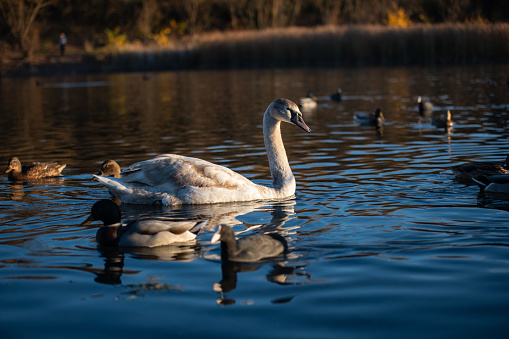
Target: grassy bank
[(329, 46), (323, 46)]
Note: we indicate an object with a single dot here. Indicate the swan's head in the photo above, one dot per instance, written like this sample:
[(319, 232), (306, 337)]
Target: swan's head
[(287, 111)]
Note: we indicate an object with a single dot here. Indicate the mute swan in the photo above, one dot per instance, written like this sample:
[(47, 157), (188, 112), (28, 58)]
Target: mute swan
[(144, 232), (111, 168), (174, 179), (32, 170), (251, 248), (474, 170)]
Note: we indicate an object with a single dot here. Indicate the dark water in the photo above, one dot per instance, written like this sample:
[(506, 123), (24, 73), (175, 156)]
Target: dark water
[(384, 243)]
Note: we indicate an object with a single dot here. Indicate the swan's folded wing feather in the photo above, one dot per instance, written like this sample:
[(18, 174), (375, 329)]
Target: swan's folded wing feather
[(183, 172)]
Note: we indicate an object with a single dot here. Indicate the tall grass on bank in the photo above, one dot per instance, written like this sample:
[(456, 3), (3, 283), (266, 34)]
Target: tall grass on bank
[(326, 46)]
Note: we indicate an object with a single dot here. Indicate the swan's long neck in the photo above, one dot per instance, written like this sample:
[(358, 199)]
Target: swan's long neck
[(284, 180)]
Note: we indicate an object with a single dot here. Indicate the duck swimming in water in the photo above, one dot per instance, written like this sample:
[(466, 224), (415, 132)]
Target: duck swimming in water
[(32, 170), (144, 232), (474, 170)]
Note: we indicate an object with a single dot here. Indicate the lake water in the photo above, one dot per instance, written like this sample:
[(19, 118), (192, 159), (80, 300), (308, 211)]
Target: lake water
[(383, 242)]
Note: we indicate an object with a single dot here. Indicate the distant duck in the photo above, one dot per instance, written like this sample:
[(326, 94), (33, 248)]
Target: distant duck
[(493, 183), (336, 96), (475, 170), (308, 103), (445, 122), (425, 108), (110, 168), (251, 248), (144, 232), (32, 170), (372, 119)]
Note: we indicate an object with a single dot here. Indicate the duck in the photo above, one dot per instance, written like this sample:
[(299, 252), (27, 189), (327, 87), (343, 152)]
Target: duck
[(372, 119), (445, 122), (110, 168), (493, 183), (475, 170), (173, 179), (251, 248), (425, 107), (336, 96), (32, 170), (143, 232), (308, 103)]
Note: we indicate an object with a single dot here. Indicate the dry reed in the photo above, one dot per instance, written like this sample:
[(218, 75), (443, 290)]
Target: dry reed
[(326, 46)]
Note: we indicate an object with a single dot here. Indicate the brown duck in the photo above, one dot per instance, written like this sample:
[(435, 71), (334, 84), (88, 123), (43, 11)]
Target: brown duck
[(110, 168), (475, 170), (32, 170)]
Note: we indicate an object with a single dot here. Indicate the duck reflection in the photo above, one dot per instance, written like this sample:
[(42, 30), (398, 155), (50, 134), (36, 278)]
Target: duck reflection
[(250, 253), (226, 214)]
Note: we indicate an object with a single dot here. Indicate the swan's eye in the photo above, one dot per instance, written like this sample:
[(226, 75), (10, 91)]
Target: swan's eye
[(292, 112)]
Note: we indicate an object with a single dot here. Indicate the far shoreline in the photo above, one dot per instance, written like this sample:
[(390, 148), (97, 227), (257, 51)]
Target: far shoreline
[(329, 46)]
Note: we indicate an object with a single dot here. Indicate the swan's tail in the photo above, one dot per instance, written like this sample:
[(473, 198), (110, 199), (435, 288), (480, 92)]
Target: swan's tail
[(114, 186)]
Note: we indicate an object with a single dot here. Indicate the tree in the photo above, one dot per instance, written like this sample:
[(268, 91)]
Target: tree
[(20, 17)]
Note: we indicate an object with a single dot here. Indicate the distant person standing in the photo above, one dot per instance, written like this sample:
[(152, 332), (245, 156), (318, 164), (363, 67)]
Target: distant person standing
[(62, 40)]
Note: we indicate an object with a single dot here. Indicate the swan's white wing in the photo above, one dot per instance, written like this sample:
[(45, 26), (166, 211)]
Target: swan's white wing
[(182, 171)]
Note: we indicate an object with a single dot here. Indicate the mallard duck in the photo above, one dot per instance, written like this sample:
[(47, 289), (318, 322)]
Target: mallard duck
[(144, 232), (249, 249), (372, 119), (174, 179), (32, 170), (336, 96), (474, 170), (308, 103), (111, 168), (445, 122), (425, 108), (493, 183)]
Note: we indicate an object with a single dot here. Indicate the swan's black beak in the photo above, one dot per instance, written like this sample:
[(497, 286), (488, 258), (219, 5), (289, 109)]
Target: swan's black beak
[(299, 121)]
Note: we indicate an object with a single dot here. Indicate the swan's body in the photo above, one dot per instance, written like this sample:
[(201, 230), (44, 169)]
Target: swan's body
[(144, 232), (32, 170), (251, 248), (174, 179)]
